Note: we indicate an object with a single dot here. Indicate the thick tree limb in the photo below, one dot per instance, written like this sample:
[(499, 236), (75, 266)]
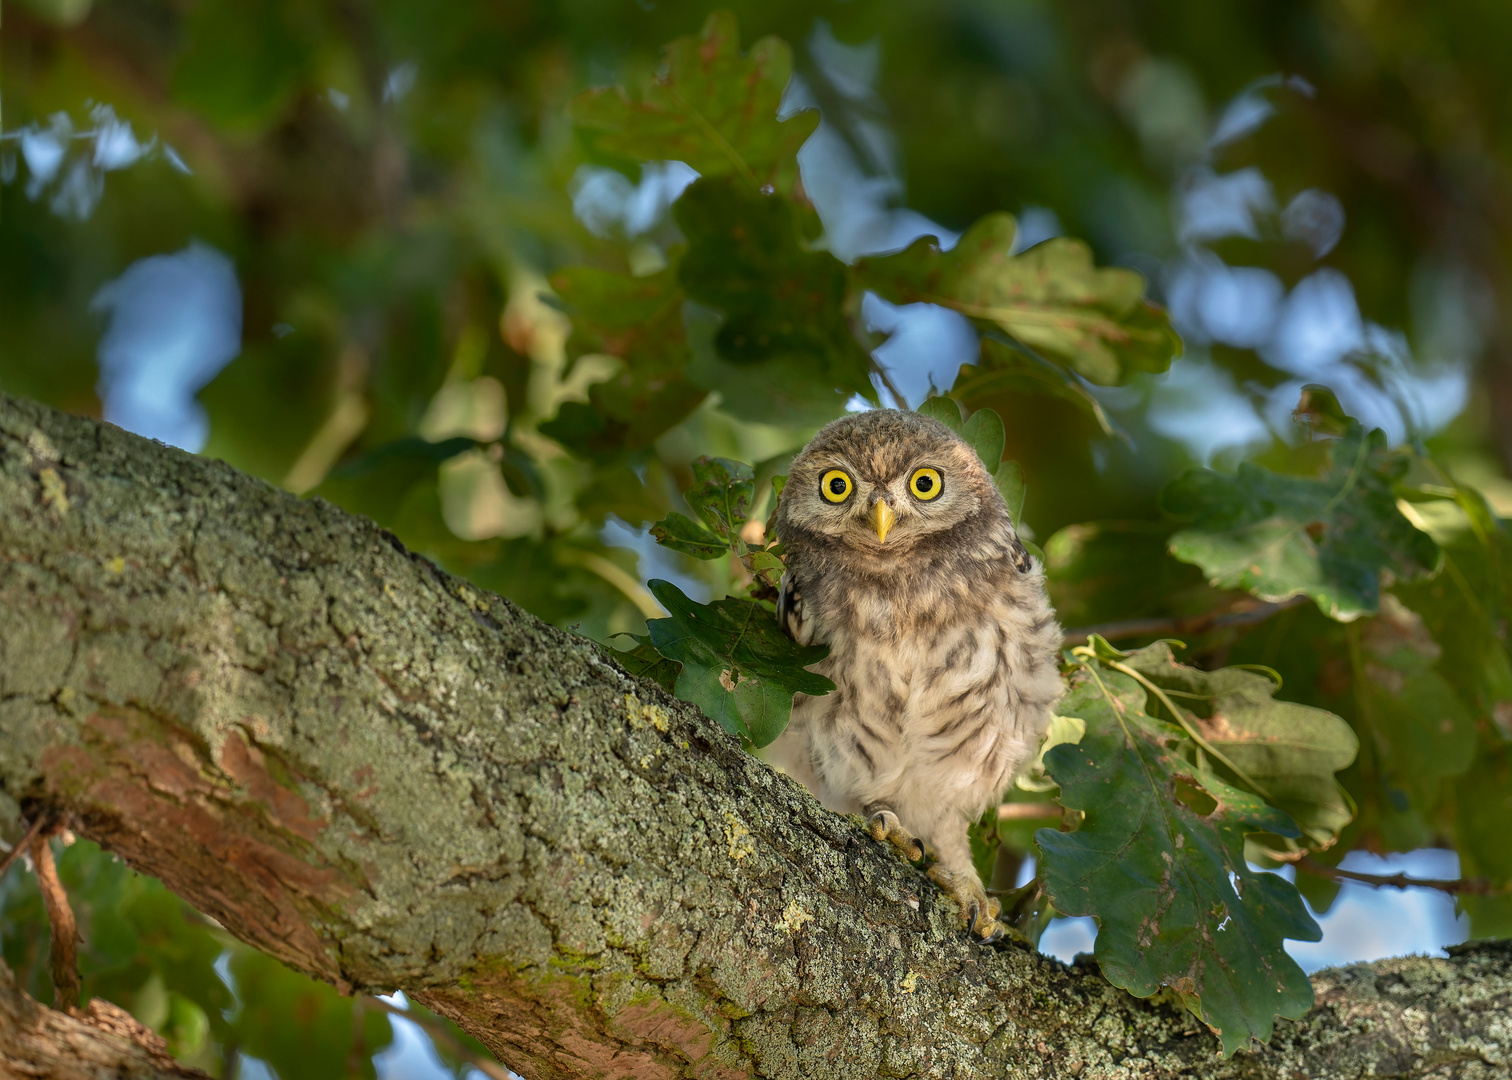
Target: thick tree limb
[(102, 1043), (364, 767)]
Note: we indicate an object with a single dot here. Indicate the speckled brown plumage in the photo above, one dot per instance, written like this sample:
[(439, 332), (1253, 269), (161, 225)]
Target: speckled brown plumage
[(942, 642)]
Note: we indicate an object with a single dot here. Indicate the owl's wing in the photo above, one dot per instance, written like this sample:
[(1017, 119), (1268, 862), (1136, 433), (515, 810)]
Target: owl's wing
[(790, 611)]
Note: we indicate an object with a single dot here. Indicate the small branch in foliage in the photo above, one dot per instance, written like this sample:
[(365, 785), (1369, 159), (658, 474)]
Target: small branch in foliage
[(1028, 811), (438, 1033), (22, 845), (1457, 886), (60, 917), (887, 384), (1244, 612)]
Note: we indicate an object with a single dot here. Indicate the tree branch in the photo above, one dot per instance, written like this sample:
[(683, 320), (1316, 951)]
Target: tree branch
[(64, 929), (1456, 886), (370, 770), (101, 1043)]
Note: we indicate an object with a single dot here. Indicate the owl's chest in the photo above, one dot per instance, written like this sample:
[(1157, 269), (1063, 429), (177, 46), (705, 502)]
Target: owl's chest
[(909, 684)]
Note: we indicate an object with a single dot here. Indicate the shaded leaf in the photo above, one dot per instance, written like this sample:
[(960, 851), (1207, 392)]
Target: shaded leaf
[(738, 665), (681, 533), (1017, 370), (1154, 860), (1482, 827), (639, 321), (944, 409), (1102, 571), (983, 432), (378, 483), (721, 493), (1328, 536), (710, 107), (644, 661), (1292, 750), (1050, 297), (303, 1028), (1009, 479), (780, 301), (1419, 730)]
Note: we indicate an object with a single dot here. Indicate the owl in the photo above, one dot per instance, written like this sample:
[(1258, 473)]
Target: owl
[(901, 557)]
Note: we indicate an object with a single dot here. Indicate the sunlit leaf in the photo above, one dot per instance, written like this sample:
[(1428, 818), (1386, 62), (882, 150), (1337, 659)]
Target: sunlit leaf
[(711, 107), (738, 665), (1159, 862), (1291, 750), (1050, 297), (1328, 536)]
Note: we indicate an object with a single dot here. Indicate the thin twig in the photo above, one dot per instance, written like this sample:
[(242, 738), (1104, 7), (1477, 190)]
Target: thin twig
[(1027, 811), (60, 917), (899, 401), (439, 1033), (1459, 886), (25, 842), (1240, 613)]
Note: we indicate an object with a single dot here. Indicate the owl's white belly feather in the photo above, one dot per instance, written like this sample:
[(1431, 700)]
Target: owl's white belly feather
[(931, 724)]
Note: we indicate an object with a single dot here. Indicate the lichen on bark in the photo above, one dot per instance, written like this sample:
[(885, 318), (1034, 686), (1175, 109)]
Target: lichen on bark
[(386, 778)]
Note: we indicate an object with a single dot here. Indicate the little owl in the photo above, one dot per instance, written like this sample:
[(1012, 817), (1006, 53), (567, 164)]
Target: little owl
[(901, 557)]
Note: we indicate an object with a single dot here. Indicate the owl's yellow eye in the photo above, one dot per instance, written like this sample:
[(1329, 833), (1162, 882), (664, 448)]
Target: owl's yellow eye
[(836, 485), (925, 484)]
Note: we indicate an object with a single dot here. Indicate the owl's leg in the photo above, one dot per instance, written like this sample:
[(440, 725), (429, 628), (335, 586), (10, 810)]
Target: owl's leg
[(978, 909), (957, 878), (884, 825)]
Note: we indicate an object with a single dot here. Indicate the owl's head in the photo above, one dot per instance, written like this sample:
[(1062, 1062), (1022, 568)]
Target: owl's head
[(882, 481)]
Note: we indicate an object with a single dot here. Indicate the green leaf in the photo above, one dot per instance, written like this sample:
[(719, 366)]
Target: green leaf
[(983, 432), (710, 107), (738, 665), (1050, 297), (379, 482), (1291, 750), (681, 533), (721, 493), (1419, 730), (780, 301), (1328, 537), (645, 662), (944, 409), (1010, 368), (638, 320), (1154, 860), (303, 1028), (1107, 571), (1482, 825), (1010, 481)]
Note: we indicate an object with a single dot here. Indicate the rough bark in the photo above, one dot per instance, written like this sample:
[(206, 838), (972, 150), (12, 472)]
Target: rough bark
[(101, 1043), (365, 767)]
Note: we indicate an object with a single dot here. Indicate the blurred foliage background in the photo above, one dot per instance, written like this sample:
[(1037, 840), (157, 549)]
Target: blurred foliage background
[(326, 241)]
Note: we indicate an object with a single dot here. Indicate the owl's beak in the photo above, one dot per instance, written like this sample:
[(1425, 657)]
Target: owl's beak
[(882, 518)]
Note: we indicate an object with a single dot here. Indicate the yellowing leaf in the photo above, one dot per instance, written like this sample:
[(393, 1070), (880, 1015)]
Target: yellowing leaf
[(1050, 298)]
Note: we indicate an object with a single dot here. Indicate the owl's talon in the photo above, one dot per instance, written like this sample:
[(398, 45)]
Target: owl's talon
[(979, 910), (883, 824)]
